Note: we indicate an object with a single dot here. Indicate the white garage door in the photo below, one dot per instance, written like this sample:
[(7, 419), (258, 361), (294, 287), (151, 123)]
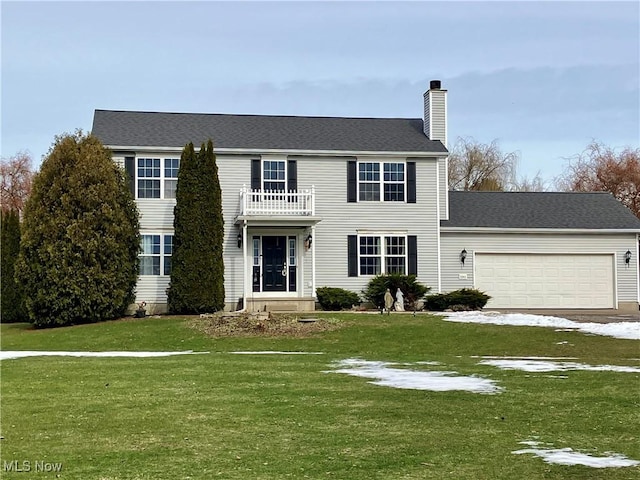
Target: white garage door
[(546, 281)]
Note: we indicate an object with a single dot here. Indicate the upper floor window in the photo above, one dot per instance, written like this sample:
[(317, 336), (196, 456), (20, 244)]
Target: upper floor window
[(273, 175), (381, 181), (157, 178), (156, 256)]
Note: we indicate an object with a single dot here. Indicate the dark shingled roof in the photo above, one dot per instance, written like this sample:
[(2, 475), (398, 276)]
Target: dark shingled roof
[(262, 132), (538, 210)]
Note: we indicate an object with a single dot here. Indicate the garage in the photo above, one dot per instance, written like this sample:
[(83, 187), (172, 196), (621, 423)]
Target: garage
[(526, 280)]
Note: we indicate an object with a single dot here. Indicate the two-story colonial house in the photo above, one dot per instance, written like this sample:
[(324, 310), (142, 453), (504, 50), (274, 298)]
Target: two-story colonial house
[(326, 201)]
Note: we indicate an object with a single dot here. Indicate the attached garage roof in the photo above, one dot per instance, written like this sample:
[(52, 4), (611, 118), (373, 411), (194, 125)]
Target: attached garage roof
[(562, 210), (262, 132)]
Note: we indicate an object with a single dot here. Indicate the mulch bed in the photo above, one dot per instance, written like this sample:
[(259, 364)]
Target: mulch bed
[(262, 325)]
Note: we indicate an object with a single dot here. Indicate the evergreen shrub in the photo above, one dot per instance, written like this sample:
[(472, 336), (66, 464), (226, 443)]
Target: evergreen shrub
[(78, 259), (465, 298), (331, 298), (197, 267), (413, 291), (12, 301)]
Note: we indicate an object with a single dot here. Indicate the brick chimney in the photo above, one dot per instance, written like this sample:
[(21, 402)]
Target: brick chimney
[(435, 112)]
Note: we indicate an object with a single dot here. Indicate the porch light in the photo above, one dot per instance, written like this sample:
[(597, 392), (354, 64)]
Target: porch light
[(463, 256), (627, 257), (239, 239), (308, 241)]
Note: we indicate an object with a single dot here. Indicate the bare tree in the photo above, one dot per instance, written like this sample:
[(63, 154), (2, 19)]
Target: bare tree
[(533, 184), (16, 176), (600, 168), (478, 166)]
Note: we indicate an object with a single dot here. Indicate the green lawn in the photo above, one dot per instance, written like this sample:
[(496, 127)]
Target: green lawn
[(270, 416)]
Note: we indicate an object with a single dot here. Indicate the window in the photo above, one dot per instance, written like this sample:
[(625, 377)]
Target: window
[(382, 254), (150, 257), (274, 175), (171, 166), (292, 251), (148, 178), (370, 256), (153, 258), (168, 252), (395, 255), (157, 182), (391, 183)]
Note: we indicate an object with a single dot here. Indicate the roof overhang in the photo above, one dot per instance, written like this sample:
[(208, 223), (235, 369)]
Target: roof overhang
[(572, 231), (256, 151), (277, 220)]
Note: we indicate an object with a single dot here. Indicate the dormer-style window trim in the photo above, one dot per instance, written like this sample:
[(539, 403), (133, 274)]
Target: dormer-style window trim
[(381, 180)]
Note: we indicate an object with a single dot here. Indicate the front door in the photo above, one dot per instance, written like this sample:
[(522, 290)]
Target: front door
[(274, 266)]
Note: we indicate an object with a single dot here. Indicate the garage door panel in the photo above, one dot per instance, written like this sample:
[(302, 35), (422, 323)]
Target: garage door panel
[(546, 281)]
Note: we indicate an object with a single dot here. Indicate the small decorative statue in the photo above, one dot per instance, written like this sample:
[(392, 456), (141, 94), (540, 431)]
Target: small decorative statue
[(141, 311), (399, 301), (388, 301)]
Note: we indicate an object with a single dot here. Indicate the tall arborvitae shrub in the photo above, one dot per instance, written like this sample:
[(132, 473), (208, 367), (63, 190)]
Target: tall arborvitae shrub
[(197, 268), (78, 258), (12, 306)]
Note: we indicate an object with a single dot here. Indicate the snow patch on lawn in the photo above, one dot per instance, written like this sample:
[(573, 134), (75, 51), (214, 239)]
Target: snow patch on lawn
[(8, 355), (384, 375), (530, 365), (567, 456), (274, 352), (624, 330)]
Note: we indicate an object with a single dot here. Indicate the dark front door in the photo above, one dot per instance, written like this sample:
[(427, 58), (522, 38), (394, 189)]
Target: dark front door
[(274, 267)]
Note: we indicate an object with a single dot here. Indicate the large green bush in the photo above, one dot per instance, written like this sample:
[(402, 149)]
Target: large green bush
[(413, 290), (465, 298), (197, 268), (12, 305), (78, 258), (331, 298)]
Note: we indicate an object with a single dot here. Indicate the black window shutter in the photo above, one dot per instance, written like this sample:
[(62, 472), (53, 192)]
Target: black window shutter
[(352, 254), (130, 169), (256, 174), (411, 182), (352, 185), (412, 247), (292, 176)]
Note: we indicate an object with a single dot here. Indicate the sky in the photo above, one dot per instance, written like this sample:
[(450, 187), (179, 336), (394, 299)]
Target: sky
[(542, 78)]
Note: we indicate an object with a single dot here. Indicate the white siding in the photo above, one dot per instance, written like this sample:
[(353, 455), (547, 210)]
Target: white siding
[(426, 127), (118, 160), (340, 219), (438, 120), (155, 214), (233, 172), (152, 289), (455, 275), (443, 172)]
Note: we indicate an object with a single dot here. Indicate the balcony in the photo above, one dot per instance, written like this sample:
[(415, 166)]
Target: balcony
[(255, 203)]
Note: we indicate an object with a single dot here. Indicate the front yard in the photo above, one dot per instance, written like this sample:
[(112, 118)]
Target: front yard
[(384, 397)]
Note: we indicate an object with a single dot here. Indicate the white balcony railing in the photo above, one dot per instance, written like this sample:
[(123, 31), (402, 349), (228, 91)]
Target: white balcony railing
[(267, 202)]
